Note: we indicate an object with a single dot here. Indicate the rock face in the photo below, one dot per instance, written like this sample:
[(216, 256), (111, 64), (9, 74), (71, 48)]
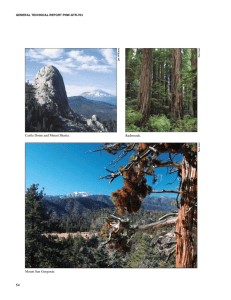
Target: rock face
[(49, 88), (94, 122), (50, 91)]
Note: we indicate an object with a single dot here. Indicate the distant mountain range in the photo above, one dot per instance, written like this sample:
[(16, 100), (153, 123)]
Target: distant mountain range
[(100, 95), (68, 195), (88, 108), (79, 202), (69, 206)]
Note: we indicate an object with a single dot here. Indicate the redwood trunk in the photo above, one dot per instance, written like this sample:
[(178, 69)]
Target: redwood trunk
[(186, 251), (177, 97), (144, 95), (194, 93), (127, 74)]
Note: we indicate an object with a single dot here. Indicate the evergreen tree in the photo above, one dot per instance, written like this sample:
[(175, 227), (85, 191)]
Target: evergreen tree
[(173, 103), (36, 220), (177, 98), (144, 96)]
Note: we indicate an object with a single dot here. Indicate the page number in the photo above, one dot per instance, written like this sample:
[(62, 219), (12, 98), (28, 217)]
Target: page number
[(17, 284)]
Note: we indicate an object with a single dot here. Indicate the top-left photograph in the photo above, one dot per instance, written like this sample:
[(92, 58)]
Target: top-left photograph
[(71, 90)]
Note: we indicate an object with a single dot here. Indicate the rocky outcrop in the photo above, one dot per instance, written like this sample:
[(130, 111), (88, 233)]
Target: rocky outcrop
[(94, 122), (50, 88)]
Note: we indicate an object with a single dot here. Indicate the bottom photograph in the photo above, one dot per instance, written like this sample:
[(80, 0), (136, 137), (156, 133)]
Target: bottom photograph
[(111, 205)]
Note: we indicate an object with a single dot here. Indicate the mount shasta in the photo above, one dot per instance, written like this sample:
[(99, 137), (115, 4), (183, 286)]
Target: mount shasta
[(100, 95)]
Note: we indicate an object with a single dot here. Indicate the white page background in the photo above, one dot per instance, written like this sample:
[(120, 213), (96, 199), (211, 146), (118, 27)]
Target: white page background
[(122, 24)]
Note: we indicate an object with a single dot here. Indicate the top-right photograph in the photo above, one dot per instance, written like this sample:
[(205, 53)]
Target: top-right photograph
[(161, 89)]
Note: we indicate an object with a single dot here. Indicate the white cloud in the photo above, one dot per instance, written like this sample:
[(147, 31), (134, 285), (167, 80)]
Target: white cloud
[(109, 56), (39, 54), (52, 53), (78, 55), (97, 68), (32, 53), (62, 65)]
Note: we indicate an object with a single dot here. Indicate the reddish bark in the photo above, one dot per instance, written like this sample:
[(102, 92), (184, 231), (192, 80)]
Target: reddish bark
[(177, 97), (186, 251), (144, 95)]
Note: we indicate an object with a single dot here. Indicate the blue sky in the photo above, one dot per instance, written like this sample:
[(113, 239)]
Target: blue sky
[(83, 70), (66, 167)]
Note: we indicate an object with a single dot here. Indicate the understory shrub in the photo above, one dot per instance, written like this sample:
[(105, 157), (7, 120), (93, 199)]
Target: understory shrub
[(159, 124), (186, 125)]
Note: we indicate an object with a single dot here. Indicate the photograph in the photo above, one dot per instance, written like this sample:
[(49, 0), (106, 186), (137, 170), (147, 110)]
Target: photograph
[(161, 89), (110, 205), (71, 90)]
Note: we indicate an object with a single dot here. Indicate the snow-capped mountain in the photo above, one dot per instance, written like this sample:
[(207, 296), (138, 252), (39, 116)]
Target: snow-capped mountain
[(68, 195), (100, 95), (76, 194)]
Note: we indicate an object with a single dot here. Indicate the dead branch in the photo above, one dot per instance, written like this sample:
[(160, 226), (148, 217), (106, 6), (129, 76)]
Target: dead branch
[(165, 191), (168, 215), (169, 243), (139, 157), (170, 254), (165, 251), (123, 224), (168, 164)]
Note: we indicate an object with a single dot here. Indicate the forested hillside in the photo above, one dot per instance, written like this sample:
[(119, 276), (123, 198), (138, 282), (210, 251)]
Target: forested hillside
[(107, 113), (161, 89), (48, 251)]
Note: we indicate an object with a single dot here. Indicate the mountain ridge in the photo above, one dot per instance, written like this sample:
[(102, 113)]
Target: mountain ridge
[(87, 108), (57, 203)]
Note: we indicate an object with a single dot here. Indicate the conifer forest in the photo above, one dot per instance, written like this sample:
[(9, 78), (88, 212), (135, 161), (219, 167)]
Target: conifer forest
[(161, 90), (122, 235)]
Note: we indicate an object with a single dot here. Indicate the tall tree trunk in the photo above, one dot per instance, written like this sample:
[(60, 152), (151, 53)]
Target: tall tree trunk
[(166, 79), (194, 93), (127, 73), (144, 95), (153, 82), (186, 225), (177, 98)]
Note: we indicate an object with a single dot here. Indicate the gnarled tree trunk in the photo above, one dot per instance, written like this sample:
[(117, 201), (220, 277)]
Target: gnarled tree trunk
[(186, 225)]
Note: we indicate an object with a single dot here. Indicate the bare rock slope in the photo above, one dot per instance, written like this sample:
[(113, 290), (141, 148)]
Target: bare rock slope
[(50, 89)]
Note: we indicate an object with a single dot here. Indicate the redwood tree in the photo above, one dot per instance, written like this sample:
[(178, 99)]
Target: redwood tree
[(177, 97), (143, 162), (144, 95), (194, 70)]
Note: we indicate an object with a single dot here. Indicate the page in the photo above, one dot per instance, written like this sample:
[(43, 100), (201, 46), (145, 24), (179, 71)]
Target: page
[(86, 38)]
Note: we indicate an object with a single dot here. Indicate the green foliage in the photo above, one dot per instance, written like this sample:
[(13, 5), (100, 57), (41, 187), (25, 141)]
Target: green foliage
[(132, 120), (161, 92), (186, 125), (159, 124), (77, 252), (37, 247)]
